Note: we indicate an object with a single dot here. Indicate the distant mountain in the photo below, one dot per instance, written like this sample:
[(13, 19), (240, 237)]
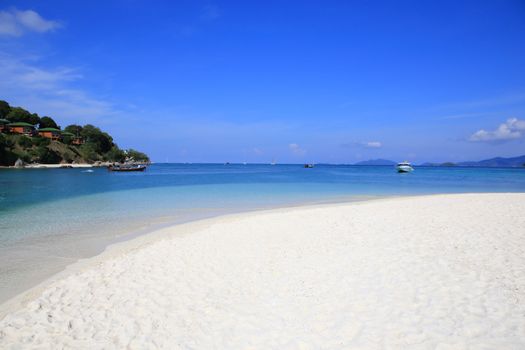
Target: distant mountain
[(493, 162), (439, 164), (376, 162), (498, 162)]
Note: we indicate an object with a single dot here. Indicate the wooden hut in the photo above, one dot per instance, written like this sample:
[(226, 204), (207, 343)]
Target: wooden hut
[(50, 133), (21, 128), (75, 140)]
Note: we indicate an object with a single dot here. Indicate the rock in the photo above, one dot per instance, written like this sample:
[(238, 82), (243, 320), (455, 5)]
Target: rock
[(19, 163)]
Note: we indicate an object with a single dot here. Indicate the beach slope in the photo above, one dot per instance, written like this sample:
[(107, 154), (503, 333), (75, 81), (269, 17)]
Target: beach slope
[(431, 272)]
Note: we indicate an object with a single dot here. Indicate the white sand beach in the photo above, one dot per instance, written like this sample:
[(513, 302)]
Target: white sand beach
[(57, 166), (431, 272)]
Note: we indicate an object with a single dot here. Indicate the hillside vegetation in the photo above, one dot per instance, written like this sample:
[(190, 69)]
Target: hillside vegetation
[(96, 145)]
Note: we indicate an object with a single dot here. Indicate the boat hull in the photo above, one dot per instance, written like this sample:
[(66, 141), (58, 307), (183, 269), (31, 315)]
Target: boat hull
[(404, 169), (125, 169)]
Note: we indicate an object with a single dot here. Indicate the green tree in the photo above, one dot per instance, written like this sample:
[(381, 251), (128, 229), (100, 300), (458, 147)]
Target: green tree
[(40, 141), (102, 142), (9, 142), (115, 154), (25, 156), (136, 156), (68, 155), (25, 142), (7, 157), (88, 152), (18, 114), (5, 108), (74, 129), (47, 122), (3, 150), (98, 144), (47, 156)]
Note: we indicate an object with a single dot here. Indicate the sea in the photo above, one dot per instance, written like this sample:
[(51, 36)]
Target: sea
[(50, 218)]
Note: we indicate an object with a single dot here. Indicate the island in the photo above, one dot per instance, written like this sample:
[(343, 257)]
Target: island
[(27, 138)]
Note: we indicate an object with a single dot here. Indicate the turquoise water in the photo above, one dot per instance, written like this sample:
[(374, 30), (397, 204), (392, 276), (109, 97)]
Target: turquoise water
[(51, 217), (35, 202)]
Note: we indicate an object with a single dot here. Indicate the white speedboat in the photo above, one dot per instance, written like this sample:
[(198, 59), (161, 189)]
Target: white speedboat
[(404, 167)]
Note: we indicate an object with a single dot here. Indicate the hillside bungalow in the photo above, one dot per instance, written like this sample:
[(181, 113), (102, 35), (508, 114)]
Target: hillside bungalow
[(78, 140), (3, 125), (50, 133), (21, 128), (75, 140)]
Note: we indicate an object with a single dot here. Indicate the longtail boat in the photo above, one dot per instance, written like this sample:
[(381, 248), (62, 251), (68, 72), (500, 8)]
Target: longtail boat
[(127, 167)]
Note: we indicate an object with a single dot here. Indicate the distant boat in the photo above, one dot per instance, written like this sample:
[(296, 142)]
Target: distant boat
[(127, 167), (273, 162), (404, 167), (308, 166)]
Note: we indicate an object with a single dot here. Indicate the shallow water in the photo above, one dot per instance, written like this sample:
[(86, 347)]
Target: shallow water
[(51, 217)]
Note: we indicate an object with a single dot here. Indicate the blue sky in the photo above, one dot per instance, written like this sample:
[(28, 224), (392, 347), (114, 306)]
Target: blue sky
[(304, 81)]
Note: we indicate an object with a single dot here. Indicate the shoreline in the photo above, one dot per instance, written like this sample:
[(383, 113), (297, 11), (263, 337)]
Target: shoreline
[(56, 166), (105, 164), (56, 260), (134, 238), (194, 230)]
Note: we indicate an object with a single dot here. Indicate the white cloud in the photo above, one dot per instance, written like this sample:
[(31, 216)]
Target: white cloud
[(17, 73), (512, 129), (16, 23), (296, 149), (367, 144), (373, 144), (49, 90)]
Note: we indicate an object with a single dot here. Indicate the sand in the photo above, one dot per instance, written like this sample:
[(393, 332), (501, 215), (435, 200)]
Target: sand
[(54, 166), (432, 272)]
